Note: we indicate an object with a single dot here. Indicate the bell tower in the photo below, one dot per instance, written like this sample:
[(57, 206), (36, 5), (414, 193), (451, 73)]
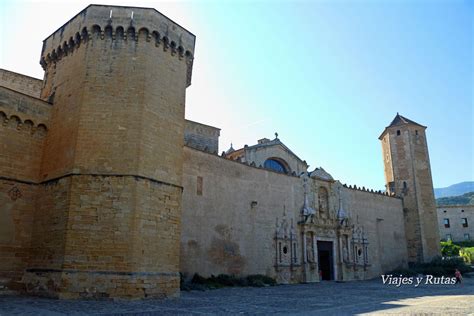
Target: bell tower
[(408, 176)]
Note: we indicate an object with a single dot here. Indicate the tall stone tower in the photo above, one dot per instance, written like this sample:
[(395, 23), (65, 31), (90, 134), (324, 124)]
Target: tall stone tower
[(408, 175), (107, 222)]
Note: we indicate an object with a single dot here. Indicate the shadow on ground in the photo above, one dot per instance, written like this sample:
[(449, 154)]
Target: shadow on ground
[(325, 298)]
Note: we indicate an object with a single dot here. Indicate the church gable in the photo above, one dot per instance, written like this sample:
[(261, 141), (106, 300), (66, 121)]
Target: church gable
[(270, 154)]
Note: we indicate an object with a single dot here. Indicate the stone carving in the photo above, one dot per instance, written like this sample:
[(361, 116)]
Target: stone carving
[(308, 212), (342, 216), (360, 247), (285, 241), (14, 193), (323, 201)]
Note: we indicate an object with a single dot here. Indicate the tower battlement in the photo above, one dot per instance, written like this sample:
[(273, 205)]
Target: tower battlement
[(130, 24)]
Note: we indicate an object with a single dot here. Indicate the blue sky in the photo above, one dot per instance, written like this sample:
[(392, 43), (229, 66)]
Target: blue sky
[(328, 76)]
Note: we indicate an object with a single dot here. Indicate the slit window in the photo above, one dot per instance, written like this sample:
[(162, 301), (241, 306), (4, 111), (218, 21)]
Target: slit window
[(398, 133), (464, 222), (199, 186), (294, 252), (279, 252)]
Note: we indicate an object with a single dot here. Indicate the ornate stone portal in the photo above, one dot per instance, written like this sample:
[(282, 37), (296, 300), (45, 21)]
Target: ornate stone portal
[(332, 246)]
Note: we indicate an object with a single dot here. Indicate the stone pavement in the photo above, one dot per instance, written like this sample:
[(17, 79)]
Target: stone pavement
[(326, 298)]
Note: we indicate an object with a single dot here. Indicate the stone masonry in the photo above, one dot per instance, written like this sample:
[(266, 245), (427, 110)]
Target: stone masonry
[(107, 175), (408, 175), (106, 191)]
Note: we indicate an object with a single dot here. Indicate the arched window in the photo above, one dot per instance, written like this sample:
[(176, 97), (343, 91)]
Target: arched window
[(275, 165), (323, 201)]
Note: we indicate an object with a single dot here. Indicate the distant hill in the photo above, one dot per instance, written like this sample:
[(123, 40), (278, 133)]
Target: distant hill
[(466, 198), (455, 189)]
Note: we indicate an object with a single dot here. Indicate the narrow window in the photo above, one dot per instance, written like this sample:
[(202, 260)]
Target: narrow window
[(279, 251), (467, 237), (446, 223), (464, 222), (416, 132), (448, 236), (366, 254), (294, 252), (199, 186), (398, 133)]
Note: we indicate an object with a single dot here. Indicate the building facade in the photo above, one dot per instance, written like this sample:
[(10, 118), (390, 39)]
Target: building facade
[(456, 222), (107, 191)]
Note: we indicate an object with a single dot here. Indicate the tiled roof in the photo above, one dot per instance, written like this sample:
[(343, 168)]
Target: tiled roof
[(401, 120)]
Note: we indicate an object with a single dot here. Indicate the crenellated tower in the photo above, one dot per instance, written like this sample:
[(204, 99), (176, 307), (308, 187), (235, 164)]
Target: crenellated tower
[(107, 222), (408, 175)]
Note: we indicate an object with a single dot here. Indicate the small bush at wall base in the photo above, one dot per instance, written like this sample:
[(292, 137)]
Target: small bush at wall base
[(260, 280), (467, 254), (224, 280), (449, 249), (465, 244), (437, 267)]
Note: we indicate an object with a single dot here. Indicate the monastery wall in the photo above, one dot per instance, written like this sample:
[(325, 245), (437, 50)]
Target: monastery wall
[(229, 215), (21, 83), (23, 128), (230, 212), (382, 219), (201, 136)]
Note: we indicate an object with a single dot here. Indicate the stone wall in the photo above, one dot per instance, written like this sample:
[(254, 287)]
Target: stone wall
[(23, 128), (16, 225), (457, 229), (21, 83), (91, 240), (229, 225), (382, 220), (407, 164), (109, 200), (24, 123), (231, 213), (201, 136)]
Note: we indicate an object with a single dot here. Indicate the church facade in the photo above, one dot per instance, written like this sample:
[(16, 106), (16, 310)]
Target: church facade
[(107, 191)]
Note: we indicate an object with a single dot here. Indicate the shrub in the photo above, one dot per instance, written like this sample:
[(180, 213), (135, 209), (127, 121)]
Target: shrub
[(465, 244), (259, 280), (404, 272), (197, 279), (201, 283), (448, 266), (449, 249), (467, 254), (438, 267)]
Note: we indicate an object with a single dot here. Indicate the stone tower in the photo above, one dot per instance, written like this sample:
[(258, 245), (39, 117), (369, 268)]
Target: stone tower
[(107, 220), (408, 175)]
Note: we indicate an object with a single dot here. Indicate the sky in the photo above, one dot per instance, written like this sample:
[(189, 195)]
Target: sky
[(327, 76)]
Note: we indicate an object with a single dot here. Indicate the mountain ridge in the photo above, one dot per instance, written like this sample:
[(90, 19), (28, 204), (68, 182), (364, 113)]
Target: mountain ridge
[(453, 190)]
